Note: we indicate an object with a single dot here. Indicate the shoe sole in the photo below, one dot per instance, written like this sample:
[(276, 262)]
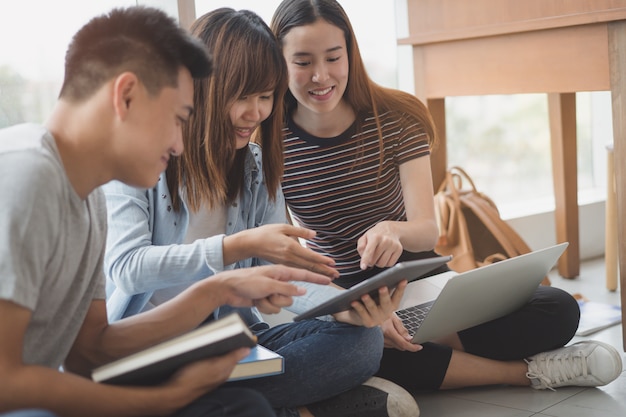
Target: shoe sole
[(400, 403)]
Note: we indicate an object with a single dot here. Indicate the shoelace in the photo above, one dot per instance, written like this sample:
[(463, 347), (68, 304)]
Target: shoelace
[(560, 367)]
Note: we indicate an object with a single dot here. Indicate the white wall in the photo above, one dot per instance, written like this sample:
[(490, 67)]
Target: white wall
[(539, 230)]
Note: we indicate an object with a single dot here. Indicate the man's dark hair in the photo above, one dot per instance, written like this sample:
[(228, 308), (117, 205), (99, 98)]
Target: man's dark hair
[(141, 40)]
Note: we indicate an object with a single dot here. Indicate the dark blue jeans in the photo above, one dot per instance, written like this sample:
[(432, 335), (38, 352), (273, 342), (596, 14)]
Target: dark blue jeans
[(322, 359)]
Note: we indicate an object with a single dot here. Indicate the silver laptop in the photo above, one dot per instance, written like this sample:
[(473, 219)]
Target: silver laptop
[(450, 302)]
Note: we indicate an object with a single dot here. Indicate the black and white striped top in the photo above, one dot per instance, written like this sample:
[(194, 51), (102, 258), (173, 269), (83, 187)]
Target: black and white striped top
[(332, 185)]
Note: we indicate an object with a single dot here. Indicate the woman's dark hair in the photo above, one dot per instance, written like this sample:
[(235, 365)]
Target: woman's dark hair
[(247, 60)]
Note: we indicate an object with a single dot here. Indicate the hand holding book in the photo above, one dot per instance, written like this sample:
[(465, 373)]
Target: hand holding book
[(208, 373), (158, 363), (266, 287)]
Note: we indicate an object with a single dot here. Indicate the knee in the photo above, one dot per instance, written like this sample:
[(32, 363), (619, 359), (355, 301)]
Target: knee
[(372, 337), (566, 305), (368, 344), (564, 311)]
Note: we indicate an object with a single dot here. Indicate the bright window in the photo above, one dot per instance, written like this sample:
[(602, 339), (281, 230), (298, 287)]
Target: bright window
[(35, 35), (504, 143)]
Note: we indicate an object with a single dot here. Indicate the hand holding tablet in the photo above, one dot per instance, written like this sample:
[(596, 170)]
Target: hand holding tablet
[(410, 270)]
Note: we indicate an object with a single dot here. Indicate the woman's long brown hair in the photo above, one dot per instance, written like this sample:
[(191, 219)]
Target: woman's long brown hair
[(247, 60)]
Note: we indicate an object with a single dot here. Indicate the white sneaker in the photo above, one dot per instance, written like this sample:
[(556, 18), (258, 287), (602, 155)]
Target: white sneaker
[(588, 363), (376, 397)]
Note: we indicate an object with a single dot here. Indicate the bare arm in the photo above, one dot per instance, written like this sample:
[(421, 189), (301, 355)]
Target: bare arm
[(68, 394), (264, 287), (382, 245), (31, 386)]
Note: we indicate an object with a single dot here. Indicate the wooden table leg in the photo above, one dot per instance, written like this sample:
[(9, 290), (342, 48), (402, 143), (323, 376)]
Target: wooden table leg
[(562, 111), (617, 66), (439, 157)]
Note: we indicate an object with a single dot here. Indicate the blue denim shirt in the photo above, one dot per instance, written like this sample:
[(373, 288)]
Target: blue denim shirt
[(145, 250)]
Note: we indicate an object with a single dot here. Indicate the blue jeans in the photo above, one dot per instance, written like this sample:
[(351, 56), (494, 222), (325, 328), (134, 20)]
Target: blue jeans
[(322, 360)]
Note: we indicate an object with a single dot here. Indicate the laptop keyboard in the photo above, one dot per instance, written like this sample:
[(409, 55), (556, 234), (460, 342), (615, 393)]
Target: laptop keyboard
[(412, 317)]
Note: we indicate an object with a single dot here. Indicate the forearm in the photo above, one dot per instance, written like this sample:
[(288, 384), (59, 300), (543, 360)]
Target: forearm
[(100, 343), (416, 235), (144, 243), (143, 269), (420, 232), (237, 247), (70, 395), (175, 317)]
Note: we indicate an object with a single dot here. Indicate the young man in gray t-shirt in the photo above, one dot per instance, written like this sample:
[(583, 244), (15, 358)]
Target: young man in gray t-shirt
[(128, 89)]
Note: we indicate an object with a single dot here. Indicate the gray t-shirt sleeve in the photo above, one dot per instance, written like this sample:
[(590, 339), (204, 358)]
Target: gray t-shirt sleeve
[(29, 218)]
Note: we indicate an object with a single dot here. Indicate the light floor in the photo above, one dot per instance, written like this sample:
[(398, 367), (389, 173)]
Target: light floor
[(501, 401)]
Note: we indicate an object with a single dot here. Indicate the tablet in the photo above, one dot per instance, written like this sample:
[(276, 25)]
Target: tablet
[(390, 277)]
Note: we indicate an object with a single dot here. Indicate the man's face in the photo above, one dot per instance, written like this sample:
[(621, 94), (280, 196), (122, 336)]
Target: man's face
[(155, 131)]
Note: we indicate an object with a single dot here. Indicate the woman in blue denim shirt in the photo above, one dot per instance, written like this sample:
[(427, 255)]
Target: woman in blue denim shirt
[(224, 187)]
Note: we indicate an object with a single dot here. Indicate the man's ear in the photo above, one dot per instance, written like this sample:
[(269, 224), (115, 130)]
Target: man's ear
[(124, 92)]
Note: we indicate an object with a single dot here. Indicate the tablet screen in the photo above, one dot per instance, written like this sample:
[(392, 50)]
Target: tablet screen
[(410, 270)]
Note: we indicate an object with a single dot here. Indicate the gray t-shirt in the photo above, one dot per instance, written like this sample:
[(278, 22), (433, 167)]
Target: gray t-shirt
[(51, 243)]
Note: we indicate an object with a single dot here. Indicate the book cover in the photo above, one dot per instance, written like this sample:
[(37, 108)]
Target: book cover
[(595, 316), (260, 362), (155, 364)]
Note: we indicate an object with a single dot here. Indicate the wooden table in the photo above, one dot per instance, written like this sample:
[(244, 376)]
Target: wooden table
[(478, 47)]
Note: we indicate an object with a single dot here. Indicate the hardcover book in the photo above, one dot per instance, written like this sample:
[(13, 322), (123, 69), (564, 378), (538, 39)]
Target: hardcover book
[(260, 362), (157, 363)]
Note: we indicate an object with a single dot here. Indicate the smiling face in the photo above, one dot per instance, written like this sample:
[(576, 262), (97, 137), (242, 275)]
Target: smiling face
[(247, 113), (154, 131), (317, 60)]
